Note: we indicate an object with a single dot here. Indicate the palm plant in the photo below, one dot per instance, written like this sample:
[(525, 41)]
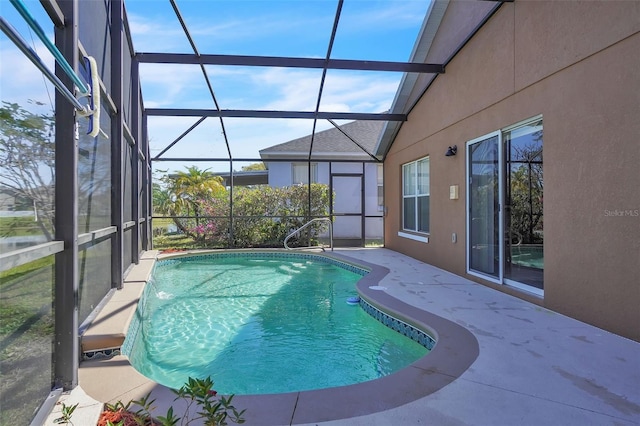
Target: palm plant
[(187, 191)]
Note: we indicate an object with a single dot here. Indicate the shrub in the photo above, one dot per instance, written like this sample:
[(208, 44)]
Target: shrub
[(262, 217), (213, 410)]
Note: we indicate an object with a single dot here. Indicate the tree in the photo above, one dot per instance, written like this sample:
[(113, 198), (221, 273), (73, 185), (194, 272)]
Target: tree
[(161, 200), (185, 194), (254, 167), (27, 160), (525, 193), (191, 188)]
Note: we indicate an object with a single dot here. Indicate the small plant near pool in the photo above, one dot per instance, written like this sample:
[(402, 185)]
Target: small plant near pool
[(67, 412), (213, 409)]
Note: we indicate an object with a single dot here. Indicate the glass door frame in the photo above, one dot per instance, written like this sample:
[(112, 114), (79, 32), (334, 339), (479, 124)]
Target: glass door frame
[(500, 279), (469, 144), (510, 282)]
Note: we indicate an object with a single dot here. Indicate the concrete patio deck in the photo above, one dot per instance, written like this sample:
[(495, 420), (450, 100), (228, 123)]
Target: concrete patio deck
[(533, 366)]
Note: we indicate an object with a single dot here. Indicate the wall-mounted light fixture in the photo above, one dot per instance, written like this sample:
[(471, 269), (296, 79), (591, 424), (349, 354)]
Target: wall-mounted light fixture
[(453, 150)]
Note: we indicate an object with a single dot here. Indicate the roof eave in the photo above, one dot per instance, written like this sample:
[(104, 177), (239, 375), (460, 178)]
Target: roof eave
[(420, 51), (315, 156)]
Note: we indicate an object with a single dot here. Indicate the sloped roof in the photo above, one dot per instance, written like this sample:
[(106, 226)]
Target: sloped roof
[(356, 139), (448, 26)]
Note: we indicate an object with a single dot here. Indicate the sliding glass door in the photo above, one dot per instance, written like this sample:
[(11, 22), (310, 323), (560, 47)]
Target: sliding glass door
[(484, 207), (505, 237), (524, 239)]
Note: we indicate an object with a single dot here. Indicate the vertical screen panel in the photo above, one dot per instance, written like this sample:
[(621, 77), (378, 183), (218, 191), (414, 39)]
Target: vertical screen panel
[(127, 182), (127, 249), (374, 228), (347, 194), (126, 83), (95, 276), (94, 175), (27, 334), (347, 227), (27, 148), (95, 35)]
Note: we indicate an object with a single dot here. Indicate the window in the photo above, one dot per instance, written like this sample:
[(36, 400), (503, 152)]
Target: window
[(415, 196), (300, 173)]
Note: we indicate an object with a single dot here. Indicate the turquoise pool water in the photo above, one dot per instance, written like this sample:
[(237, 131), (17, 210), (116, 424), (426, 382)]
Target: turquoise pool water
[(261, 324), (530, 256)]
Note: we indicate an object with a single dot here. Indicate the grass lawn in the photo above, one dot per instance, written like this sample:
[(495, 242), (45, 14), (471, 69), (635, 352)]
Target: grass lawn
[(26, 339), (18, 226), (162, 223), (175, 241), (27, 329)]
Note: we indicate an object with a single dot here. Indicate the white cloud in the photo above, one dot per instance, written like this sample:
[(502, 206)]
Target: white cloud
[(164, 85), (356, 92), (390, 14), (362, 92), (157, 34), (216, 27)]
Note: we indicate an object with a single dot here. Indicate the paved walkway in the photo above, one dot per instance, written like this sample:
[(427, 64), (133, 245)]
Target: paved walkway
[(535, 367)]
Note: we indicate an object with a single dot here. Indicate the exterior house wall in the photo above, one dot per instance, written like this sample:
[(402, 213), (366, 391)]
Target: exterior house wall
[(279, 174), (7, 202), (371, 207), (577, 65)]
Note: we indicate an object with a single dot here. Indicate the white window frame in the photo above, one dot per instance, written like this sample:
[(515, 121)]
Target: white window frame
[(415, 233), (304, 166)]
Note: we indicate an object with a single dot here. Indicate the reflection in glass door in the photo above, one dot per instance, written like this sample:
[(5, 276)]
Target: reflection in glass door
[(524, 237), (484, 208)]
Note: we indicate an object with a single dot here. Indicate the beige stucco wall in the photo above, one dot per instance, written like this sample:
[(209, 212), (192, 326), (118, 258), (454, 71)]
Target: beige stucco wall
[(578, 65)]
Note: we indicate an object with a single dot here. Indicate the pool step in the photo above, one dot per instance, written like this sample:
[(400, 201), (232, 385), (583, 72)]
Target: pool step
[(104, 337)]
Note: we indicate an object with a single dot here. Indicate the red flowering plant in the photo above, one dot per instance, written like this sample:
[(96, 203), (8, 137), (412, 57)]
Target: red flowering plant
[(213, 410)]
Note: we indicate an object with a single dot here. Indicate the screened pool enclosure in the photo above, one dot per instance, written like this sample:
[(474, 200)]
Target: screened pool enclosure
[(96, 167)]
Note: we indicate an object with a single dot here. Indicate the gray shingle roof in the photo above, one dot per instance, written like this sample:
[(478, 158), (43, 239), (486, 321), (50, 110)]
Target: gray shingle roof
[(331, 141)]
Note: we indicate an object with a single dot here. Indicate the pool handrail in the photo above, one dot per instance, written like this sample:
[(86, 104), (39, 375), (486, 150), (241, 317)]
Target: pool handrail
[(318, 219)]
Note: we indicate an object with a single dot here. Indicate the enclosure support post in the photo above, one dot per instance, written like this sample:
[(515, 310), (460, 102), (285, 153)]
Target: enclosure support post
[(135, 170), (66, 294), (117, 214), (231, 224), (148, 173)]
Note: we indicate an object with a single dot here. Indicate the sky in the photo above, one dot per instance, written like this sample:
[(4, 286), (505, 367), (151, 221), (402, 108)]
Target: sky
[(368, 30)]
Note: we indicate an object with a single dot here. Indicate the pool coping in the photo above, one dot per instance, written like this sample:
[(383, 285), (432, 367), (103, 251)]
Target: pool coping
[(455, 351)]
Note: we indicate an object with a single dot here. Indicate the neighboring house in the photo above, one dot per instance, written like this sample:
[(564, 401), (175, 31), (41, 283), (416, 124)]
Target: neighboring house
[(7, 200), (245, 178), (558, 77), (341, 159)]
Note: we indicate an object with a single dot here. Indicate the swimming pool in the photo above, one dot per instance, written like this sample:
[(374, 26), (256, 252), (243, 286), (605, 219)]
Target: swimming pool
[(531, 256), (261, 323)]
